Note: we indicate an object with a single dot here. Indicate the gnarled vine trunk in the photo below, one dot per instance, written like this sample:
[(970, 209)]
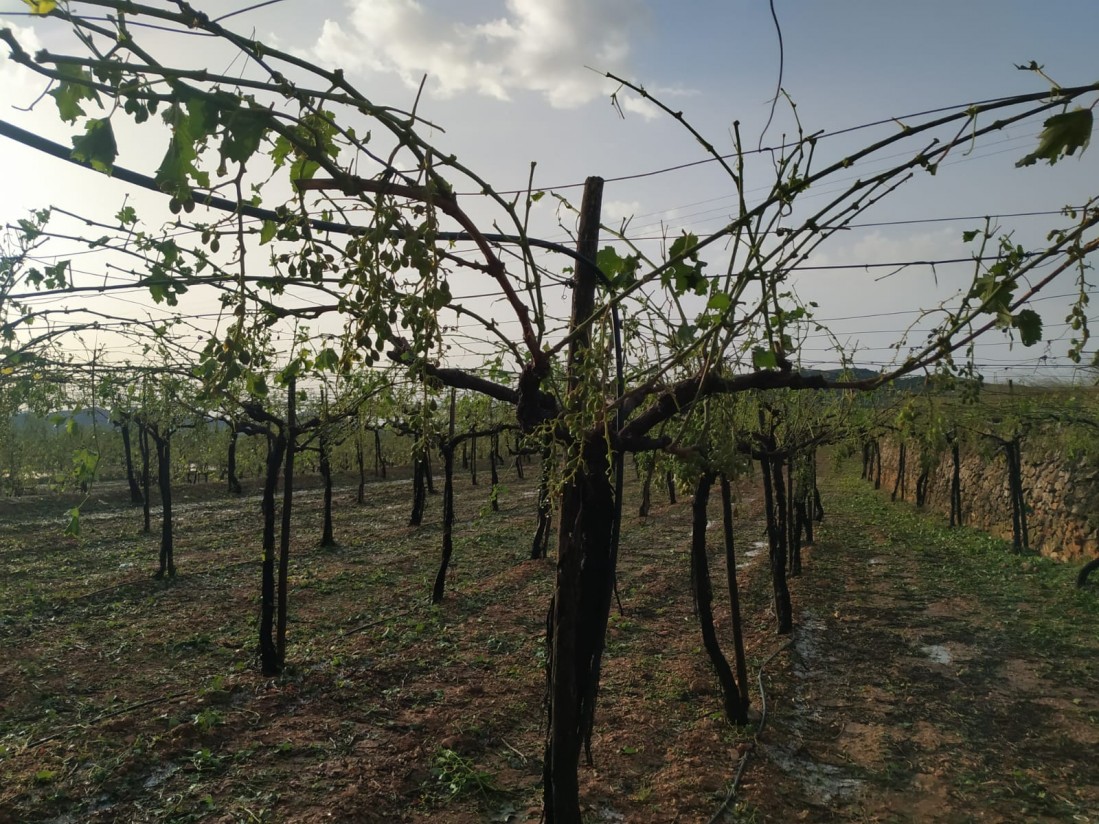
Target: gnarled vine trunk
[(136, 497), (163, 444), (577, 627), (776, 540), (703, 594), (268, 652), (231, 460), (327, 537)]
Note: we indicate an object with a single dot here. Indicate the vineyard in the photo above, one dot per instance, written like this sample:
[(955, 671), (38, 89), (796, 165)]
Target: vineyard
[(946, 675), (340, 481)]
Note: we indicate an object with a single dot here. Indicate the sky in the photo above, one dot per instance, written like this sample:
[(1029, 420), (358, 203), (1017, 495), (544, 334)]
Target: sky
[(516, 82)]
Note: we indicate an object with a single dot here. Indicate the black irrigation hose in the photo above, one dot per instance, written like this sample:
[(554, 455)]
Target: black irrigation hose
[(755, 738)]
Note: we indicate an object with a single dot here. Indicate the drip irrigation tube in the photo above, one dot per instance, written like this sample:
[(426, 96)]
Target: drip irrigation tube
[(755, 738)]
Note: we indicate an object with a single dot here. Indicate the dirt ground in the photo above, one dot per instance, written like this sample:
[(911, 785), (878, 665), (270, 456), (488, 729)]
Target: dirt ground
[(931, 676)]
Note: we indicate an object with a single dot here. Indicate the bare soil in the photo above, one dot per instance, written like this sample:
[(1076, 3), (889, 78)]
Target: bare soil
[(931, 676)]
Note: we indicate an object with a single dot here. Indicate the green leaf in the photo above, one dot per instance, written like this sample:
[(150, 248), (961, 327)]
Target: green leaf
[(764, 358), (303, 169), (685, 333), (967, 237), (256, 385), (686, 273), (191, 125), (201, 119), (1029, 324), (267, 231), (282, 149), (327, 359), (244, 131), (97, 145), (73, 528), (620, 271), (1063, 134), (173, 174), (609, 261), (71, 91), (719, 302), (683, 245)]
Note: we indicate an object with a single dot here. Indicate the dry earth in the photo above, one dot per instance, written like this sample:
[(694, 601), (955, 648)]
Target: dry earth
[(934, 677), (931, 677)]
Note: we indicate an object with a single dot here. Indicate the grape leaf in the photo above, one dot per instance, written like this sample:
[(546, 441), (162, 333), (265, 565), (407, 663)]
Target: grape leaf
[(1029, 324), (267, 232), (71, 91), (1063, 134), (97, 145), (764, 358)]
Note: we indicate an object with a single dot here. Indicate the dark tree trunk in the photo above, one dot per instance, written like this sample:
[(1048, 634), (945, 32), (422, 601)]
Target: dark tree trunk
[(921, 487), (818, 508), (473, 460), (577, 628), (163, 443), (955, 485), (1088, 568), (429, 478), (898, 486), (379, 458), (131, 479), (231, 462), (734, 595), (447, 449), (793, 528), (448, 522), (577, 621), (419, 491), (284, 536), (494, 473), (702, 592), (540, 545), (669, 479), (803, 525), (1019, 532), (146, 480), (327, 538), (772, 483), (646, 489), (268, 652), (360, 458), (877, 465)]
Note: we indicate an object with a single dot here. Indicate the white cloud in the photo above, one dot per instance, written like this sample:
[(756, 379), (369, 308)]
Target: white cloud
[(20, 85), (615, 211), (540, 46)]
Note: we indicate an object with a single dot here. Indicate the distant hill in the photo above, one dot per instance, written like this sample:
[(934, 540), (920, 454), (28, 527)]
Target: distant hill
[(858, 373), (83, 419), (61, 418)]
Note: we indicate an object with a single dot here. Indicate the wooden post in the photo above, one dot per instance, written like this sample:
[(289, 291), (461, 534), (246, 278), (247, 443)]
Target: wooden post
[(578, 625), (284, 537)]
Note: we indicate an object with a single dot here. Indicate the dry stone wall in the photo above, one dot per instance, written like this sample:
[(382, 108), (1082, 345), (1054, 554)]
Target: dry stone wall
[(1062, 495)]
